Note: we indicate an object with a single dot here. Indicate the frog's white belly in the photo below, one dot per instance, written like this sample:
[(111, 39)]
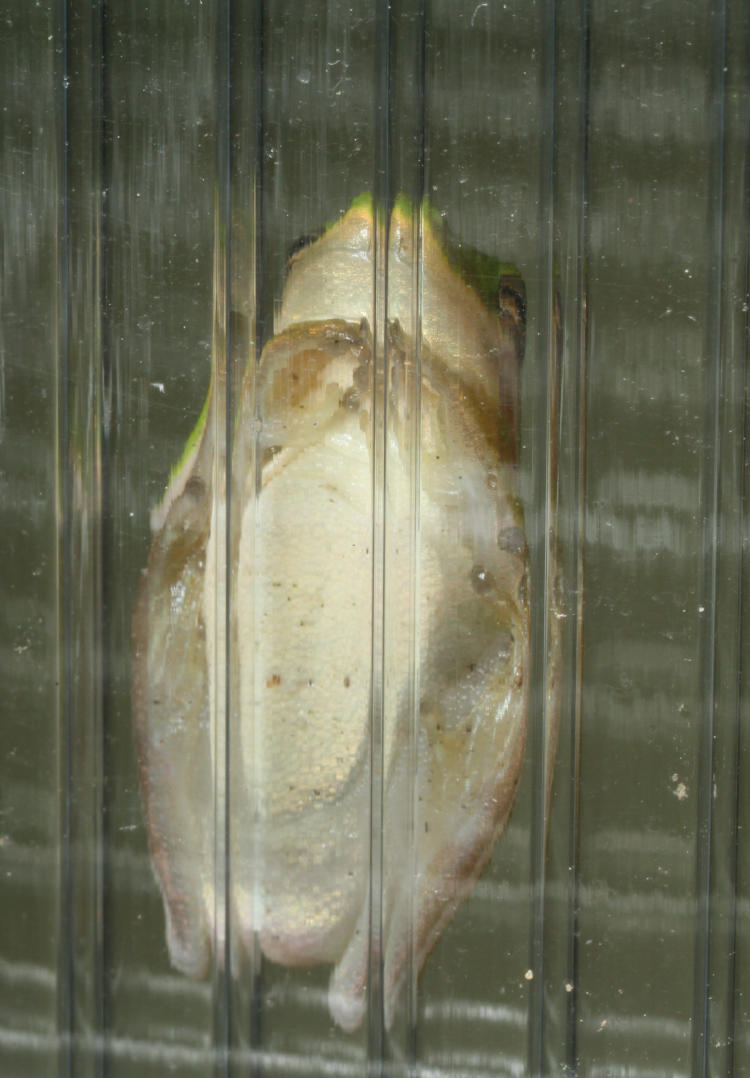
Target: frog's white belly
[(310, 586), (305, 648)]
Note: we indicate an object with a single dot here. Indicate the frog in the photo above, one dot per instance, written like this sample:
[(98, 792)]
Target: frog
[(261, 688)]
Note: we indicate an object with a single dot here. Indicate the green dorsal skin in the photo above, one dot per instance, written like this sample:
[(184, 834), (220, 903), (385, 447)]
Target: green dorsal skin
[(480, 270), (362, 201), (195, 434), (183, 465)]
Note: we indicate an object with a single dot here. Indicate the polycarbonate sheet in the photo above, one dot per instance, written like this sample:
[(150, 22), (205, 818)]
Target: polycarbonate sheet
[(30, 630), (160, 85), (173, 179)]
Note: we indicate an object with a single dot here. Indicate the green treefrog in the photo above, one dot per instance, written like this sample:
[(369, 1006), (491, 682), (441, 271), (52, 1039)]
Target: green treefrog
[(273, 612)]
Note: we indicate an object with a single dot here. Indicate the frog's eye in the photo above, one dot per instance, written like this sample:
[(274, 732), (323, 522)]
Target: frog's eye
[(308, 685), (299, 245)]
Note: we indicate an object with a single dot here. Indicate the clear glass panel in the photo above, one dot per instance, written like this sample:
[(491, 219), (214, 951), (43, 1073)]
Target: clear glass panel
[(30, 629), (373, 403)]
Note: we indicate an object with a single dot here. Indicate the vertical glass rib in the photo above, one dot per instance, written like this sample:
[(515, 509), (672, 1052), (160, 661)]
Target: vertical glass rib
[(100, 634), (109, 537), (572, 236), (65, 973), (258, 301), (381, 206), (721, 643), (81, 429), (710, 506), (255, 1029), (413, 405), (402, 535), (245, 130), (221, 523), (542, 568), (578, 383), (375, 1015), (727, 1029), (559, 477)]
